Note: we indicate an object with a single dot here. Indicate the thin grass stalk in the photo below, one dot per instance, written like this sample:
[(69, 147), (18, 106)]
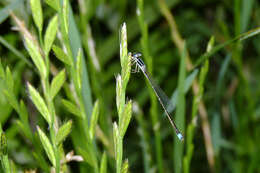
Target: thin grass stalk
[(82, 92), (124, 109), (145, 140), (95, 69), (179, 42), (180, 114), (237, 55), (149, 61), (195, 103)]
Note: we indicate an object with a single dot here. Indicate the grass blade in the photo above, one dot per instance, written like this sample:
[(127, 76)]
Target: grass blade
[(39, 103), (75, 43), (36, 57), (37, 13), (54, 4), (4, 12), (63, 132), (57, 83), (103, 166), (217, 48), (3, 152), (188, 82), (94, 119), (246, 13), (180, 113), (47, 146), (61, 55), (126, 119), (15, 51), (72, 108), (50, 34)]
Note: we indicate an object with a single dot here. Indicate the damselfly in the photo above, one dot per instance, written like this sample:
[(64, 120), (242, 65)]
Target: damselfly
[(163, 99)]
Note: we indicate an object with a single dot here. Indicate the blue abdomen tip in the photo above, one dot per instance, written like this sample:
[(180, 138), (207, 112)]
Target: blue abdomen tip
[(180, 136)]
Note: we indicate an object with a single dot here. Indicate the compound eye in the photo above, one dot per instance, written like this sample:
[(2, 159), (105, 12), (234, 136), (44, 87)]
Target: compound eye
[(136, 55)]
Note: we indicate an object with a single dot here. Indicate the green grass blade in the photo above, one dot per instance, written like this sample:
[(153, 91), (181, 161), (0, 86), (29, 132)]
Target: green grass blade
[(15, 51), (145, 140), (72, 108), (124, 110), (36, 57), (75, 42), (126, 119), (63, 132), (125, 167), (37, 14), (3, 152), (4, 12), (3, 144), (39, 103), (54, 4), (143, 24), (246, 13), (180, 114), (50, 34), (217, 48), (12, 100), (47, 146), (79, 70), (188, 82), (9, 80), (221, 78), (94, 119), (103, 166), (61, 55), (57, 83), (195, 104), (65, 9)]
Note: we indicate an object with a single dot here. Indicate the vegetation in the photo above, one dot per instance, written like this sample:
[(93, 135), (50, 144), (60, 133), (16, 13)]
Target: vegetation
[(69, 103)]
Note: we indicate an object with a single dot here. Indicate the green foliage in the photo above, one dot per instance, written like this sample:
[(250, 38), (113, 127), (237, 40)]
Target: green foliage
[(71, 107), (9, 80), (65, 13), (57, 83), (54, 4), (103, 166), (79, 70), (39, 103), (15, 51), (125, 167), (94, 119), (50, 34), (124, 110), (89, 156), (195, 104), (217, 48), (63, 56), (63, 132), (4, 12), (3, 145), (37, 13), (36, 57), (47, 146), (126, 119), (3, 152), (180, 112)]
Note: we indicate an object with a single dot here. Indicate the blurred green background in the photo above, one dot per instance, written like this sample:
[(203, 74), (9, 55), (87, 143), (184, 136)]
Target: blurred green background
[(222, 136)]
